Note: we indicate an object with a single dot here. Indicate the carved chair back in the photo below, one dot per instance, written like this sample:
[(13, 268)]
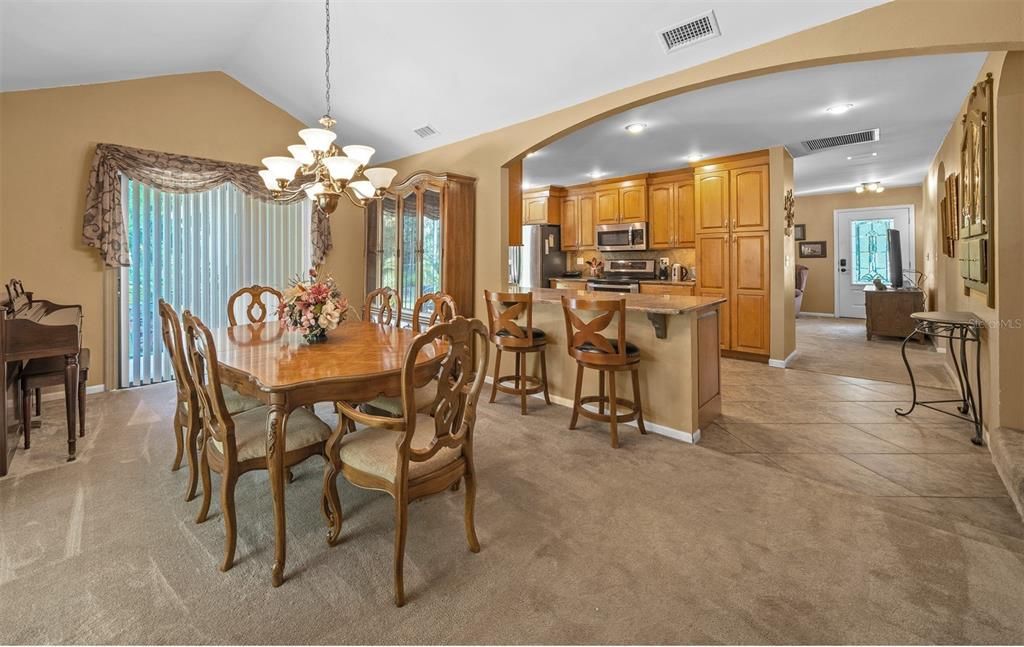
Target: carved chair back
[(257, 309), (503, 309), (15, 289), (170, 329), (202, 360), (388, 304), (442, 310), (460, 379), (584, 339)]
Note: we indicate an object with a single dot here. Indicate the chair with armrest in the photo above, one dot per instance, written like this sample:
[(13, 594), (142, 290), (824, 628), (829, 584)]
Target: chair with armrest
[(422, 452), (801, 284)]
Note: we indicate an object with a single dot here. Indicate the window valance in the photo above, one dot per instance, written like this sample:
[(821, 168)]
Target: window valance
[(103, 224)]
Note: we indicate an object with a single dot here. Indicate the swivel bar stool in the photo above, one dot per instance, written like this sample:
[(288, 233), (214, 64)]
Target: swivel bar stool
[(593, 350), (503, 308)]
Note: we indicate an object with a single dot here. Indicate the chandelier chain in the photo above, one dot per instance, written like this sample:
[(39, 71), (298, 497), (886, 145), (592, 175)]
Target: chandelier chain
[(327, 55)]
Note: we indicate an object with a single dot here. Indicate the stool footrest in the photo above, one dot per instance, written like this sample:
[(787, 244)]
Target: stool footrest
[(532, 384), (629, 416)]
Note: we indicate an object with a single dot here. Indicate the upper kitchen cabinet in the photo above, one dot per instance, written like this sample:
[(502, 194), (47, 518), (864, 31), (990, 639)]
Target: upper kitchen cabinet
[(543, 206), (624, 201), (670, 207), (711, 192), (578, 221), (749, 198)]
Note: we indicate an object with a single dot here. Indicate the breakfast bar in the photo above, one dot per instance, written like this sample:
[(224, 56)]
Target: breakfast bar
[(679, 354)]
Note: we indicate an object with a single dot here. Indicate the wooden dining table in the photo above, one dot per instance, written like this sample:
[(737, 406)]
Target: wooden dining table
[(358, 362)]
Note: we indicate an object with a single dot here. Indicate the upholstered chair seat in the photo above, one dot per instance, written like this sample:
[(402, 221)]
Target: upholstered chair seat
[(236, 402), (374, 451), (304, 429), (393, 406)]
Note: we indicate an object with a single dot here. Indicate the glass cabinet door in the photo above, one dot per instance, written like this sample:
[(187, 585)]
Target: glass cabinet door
[(388, 243), (431, 255), (410, 248)]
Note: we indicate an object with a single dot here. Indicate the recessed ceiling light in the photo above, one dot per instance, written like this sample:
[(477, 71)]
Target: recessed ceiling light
[(595, 174), (526, 185), (839, 108), (694, 157), (532, 153), (862, 156), (636, 129)]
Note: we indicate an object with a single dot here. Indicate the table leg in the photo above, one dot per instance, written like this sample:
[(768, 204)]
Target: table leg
[(71, 400), (959, 377), (978, 438), (276, 420), (910, 372)]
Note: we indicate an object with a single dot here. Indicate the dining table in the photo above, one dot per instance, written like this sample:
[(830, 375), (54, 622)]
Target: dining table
[(357, 362)]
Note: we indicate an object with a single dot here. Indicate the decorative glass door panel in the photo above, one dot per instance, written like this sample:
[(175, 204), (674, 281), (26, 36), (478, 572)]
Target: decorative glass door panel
[(431, 266), (389, 243), (869, 258), (410, 250)]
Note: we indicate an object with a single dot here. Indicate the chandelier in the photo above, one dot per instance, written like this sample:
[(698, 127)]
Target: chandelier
[(319, 167), (870, 187)]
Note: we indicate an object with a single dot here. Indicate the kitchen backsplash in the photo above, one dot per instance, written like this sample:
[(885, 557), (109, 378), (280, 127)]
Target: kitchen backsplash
[(685, 257)]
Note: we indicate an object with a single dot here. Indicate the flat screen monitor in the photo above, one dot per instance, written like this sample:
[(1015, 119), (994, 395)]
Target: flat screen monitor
[(895, 259)]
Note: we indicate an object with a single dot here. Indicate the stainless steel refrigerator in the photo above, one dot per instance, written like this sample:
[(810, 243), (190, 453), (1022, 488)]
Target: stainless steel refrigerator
[(539, 259)]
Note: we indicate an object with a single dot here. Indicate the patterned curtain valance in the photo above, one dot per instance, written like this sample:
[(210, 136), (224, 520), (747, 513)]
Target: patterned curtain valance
[(103, 224)]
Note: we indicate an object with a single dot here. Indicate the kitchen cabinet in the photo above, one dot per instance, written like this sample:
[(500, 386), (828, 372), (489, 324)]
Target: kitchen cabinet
[(731, 203), (671, 211), (667, 288), (587, 210), (569, 284), (543, 207), (622, 202)]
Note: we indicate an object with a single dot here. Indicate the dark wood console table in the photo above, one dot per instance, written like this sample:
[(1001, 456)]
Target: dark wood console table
[(888, 312)]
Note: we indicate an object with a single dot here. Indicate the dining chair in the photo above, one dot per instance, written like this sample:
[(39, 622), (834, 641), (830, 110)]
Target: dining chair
[(422, 452), (235, 444), (187, 412), (49, 371), (442, 310), (387, 304), (592, 350), (503, 309), (257, 309)]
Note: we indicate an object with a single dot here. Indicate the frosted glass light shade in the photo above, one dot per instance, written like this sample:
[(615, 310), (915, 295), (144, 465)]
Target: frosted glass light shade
[(341, 168), (283, 168), (313, 191), (268, 180), (317, 139), (301, 153), (361, 154), (380, 177), (363, 189)]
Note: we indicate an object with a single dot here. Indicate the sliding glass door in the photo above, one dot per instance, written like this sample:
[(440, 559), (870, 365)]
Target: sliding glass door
[(194, 250)]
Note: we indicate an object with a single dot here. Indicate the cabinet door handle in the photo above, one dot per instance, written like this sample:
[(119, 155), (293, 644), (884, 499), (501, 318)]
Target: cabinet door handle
[(734, 224)]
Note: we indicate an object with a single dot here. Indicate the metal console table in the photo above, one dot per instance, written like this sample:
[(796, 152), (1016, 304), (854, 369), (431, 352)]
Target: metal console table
[(959, 327)]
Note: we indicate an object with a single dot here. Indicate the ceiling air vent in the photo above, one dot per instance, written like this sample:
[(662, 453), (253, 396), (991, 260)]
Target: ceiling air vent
[(692, 31), (425, 131), (809, 146)]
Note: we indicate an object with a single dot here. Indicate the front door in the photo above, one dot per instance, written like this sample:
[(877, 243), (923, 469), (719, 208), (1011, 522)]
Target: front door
[(862, 251)]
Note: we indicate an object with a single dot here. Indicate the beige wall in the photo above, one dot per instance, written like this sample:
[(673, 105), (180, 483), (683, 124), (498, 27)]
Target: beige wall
[(904, 27), (817, 213), (48, 139), (1002, 360)]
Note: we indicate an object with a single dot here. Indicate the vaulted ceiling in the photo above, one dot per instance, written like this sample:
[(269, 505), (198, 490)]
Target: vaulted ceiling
[(462, 67)]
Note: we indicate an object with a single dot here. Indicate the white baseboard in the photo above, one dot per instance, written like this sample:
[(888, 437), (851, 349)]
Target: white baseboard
[(827, 315), (783, 363), (57, 393), (661, 430)]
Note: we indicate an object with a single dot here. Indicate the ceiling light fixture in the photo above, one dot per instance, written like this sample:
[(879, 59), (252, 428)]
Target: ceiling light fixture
[(636, 129), (694, 157), (869, 187), (839, 108), (595, 174), (863, 156), (532, 153), (318, 167)]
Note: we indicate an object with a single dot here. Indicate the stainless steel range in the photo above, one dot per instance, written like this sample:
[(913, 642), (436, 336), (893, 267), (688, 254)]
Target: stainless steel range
[(623, 276)]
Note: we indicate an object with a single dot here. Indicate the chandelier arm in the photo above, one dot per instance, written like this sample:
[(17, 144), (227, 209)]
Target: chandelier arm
[(357, 201)]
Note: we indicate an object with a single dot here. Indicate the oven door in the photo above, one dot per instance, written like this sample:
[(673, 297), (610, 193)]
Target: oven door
[(617, 288), (616, 238)]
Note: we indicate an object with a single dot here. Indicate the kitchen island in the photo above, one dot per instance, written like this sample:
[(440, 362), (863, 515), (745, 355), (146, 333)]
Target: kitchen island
[(679, 356)]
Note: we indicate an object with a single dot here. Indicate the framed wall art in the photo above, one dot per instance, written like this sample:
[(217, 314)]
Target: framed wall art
[(814, 249)]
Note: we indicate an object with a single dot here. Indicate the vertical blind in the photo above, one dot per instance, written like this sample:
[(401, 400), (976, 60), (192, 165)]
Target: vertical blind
[(194, 250)]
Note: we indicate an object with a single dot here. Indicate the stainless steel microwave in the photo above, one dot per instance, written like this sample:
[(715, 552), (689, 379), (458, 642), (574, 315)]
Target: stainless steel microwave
[(621, 238)]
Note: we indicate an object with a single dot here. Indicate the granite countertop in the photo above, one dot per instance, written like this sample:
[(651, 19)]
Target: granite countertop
[(666, 304), (651, 282)]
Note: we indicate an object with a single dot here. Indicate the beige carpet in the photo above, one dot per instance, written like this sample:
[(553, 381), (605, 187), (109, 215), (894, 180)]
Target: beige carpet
[(840, 347), (658, 542)]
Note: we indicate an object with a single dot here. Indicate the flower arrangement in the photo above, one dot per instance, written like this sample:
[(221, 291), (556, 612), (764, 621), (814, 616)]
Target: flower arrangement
[(312, 307), (596, 265)]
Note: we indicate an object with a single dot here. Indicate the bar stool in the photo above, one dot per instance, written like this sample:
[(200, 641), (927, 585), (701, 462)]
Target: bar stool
[(593, 350), (503, 308)]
